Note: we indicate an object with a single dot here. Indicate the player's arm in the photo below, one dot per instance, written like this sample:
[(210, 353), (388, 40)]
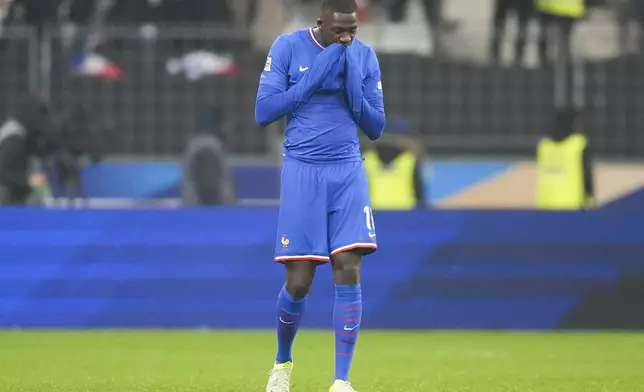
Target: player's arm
[(366, 98), (274, 99)]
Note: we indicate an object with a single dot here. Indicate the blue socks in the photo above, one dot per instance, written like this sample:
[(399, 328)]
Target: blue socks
[(289, 314), (347, 316)]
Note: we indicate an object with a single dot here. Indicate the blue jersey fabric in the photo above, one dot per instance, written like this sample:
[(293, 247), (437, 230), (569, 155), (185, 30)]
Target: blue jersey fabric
[(326, 94), (322, 116)]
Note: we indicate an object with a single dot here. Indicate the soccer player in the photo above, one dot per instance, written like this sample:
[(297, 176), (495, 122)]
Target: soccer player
[(327, 84)]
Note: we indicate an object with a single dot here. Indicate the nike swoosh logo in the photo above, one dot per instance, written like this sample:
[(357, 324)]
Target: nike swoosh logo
[(350, 329), (286, 322), (302, 69), (372, 235)]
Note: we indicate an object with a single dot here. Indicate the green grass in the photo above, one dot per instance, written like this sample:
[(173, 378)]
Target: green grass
[(385, 362)]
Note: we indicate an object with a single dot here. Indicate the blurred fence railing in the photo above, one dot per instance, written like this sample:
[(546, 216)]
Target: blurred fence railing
[(167, 82), (19, 71)]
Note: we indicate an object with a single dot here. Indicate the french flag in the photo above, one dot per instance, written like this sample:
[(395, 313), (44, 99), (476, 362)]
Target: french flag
[(93, 64)]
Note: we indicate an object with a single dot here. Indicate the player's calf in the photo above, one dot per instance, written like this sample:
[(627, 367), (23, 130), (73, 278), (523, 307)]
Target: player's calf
[(290, 307), (347, 312)]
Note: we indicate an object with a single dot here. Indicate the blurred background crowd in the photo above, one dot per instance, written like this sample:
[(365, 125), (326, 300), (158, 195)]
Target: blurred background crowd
[(491, 103)]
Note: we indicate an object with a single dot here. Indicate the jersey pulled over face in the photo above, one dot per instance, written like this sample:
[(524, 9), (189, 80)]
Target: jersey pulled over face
[(322, 129)]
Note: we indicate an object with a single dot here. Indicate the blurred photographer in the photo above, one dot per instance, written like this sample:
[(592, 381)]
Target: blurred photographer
[(207, 180), (31, 140), (24, 143), (76, 145)]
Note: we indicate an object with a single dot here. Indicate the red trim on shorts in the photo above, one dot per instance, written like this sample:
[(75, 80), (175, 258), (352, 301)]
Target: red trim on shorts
[(319, 259), (347, 248)]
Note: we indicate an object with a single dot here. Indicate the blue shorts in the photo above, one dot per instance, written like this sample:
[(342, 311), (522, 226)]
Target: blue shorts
[(324, 210)]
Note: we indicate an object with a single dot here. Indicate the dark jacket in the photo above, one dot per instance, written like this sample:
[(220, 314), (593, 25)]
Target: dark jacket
[(22, 139), (206, 177)]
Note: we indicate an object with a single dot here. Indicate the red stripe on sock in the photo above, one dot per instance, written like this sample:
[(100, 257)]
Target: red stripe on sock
[(346, 308), (347, 319), (344, 354)]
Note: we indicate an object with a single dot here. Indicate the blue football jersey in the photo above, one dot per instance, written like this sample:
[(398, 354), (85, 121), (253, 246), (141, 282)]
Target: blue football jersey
[(322, 129)]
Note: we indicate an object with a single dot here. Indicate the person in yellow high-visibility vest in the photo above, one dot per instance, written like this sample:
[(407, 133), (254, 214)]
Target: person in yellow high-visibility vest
[(560, 15), (564, 169), (394, 170)]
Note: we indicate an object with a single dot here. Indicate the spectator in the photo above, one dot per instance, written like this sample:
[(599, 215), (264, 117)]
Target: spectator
[(24, 139), (524, 10), (433, 15), (638, 14), (564, 168), (268, 23), (81, 11), (183, 12), (245, 13), (629, 11), (206, 177), (77, 144), (557, 20), (5, 10), (394, 169)]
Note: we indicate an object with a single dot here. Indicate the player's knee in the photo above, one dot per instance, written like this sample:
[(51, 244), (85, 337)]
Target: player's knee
[(346, 268), (299, 277), (297, 288)]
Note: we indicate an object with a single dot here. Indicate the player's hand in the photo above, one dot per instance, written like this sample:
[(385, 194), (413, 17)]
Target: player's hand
[(324, 65)]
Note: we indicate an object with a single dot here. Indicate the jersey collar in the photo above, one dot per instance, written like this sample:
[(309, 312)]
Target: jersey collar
[(312, 35)]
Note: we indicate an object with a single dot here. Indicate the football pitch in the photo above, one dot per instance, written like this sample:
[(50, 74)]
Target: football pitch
[(227, 361)]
